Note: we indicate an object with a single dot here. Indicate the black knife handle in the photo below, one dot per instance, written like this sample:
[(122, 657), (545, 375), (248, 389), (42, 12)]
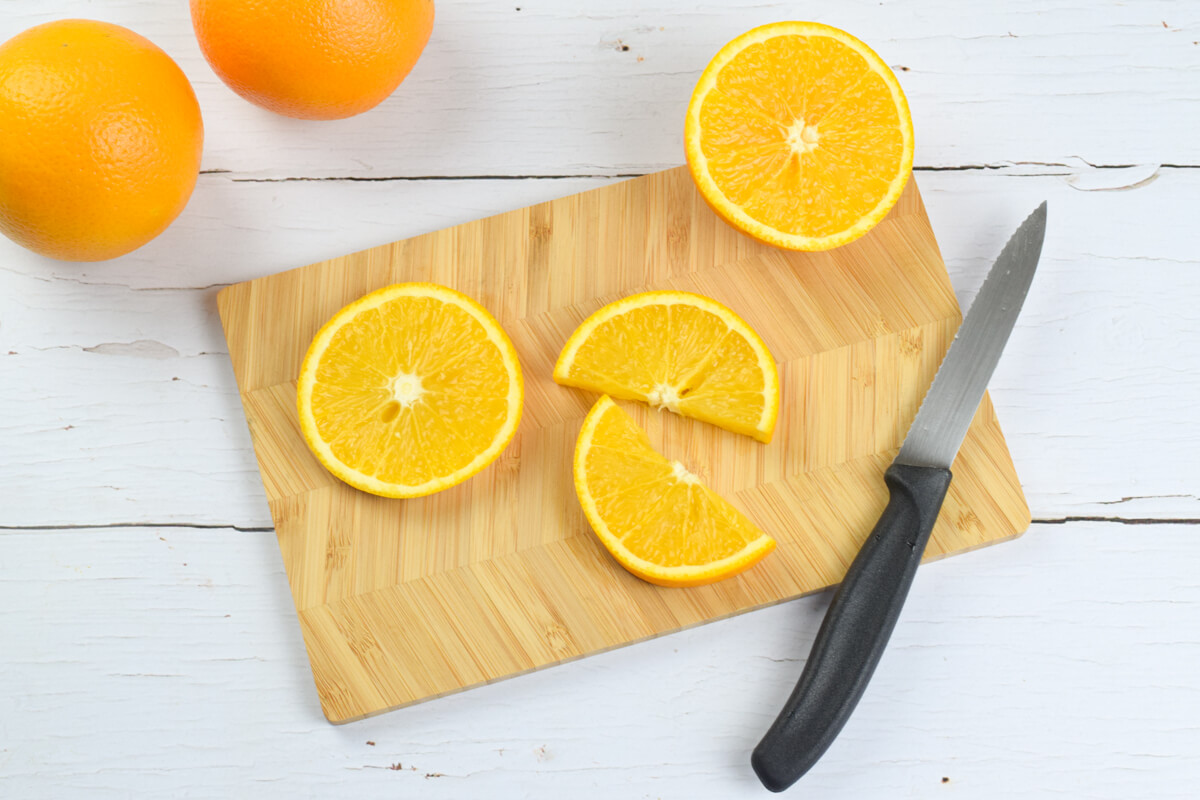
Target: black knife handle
[(856, 628)]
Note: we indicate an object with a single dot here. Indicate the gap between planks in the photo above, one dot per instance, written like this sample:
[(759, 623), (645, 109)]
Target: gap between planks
[(1002, 165), (248, 529)]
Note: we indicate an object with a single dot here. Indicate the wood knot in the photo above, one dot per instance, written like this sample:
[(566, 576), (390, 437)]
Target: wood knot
[(558, 638), (864, 376), (363, 644), (912, 342), (337, 550), (677, 236), (334, 695), (968, 522), (509, 462)]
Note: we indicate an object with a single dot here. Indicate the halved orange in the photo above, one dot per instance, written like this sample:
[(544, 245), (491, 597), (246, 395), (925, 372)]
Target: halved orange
[(680, 351), (799, 135), (656, 517), (409, 390)]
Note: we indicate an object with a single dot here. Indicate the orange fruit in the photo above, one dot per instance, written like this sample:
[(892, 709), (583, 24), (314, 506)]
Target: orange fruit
[(680, 351), (654, 515), (409, 390), (313, 59), (799, 135), (100, 140)]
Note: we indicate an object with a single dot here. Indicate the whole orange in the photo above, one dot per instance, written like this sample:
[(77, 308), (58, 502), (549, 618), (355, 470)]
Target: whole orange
[(100, 140), (313, 59)]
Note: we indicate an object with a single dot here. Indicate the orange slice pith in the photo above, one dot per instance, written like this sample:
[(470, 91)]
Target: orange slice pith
[(654, 516), (799, 135), (409, 390)]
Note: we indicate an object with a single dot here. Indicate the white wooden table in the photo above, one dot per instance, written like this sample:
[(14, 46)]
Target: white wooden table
[(148, 645)]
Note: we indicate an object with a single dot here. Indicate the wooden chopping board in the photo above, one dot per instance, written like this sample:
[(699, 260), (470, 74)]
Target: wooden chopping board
[(405, 600)]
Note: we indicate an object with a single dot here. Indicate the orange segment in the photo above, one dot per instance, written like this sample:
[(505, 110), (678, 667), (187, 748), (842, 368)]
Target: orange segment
[(409, 390), (655, 517), (798, 134), (679, 351)]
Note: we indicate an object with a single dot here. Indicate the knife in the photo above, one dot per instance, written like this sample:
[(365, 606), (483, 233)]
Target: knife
[(865, 608)]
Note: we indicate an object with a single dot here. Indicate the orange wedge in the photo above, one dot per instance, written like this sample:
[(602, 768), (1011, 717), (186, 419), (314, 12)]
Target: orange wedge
[(679, 351), (655, 517), (409, 390), (799, 135)]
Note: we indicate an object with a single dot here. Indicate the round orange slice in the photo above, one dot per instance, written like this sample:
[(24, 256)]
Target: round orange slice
[(655, 517), (680, 351), (799, 135), (409, 390)]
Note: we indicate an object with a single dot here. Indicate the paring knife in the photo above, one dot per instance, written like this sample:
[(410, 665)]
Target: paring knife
[(864, 609)]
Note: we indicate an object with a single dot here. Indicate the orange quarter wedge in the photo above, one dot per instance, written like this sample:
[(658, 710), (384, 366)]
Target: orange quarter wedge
[(655, 517), (677, 351)]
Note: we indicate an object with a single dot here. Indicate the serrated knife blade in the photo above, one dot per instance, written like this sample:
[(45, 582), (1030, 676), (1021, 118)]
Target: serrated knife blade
[(866, 606), (949, 405)]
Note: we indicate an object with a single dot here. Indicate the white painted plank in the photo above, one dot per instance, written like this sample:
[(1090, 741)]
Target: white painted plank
[(236, 231), (551, 89), (1095, 390), (169, 663)]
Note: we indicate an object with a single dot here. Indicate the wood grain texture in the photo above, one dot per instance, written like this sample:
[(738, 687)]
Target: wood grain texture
[(401, 601)]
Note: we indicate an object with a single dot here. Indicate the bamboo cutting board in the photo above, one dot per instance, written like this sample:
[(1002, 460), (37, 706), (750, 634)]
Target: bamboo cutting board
[(405, 600)]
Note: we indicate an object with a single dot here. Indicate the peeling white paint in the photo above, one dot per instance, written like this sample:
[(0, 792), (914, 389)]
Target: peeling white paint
[(142, 348)]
